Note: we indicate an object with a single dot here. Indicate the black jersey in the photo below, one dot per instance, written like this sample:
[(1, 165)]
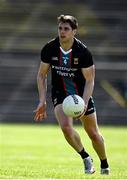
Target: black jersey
[(67, 77)]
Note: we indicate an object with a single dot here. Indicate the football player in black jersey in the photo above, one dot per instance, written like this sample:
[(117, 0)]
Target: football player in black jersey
[(73, 72)]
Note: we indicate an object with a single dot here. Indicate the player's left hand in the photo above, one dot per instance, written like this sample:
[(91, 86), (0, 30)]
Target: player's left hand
[(40, 112)]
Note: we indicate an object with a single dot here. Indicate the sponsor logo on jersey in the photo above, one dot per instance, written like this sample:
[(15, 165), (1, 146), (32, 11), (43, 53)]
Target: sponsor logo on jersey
[(75, 60), (55, 58), (65, 71)]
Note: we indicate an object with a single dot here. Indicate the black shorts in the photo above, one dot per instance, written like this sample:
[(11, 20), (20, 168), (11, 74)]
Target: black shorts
[(58, 99)]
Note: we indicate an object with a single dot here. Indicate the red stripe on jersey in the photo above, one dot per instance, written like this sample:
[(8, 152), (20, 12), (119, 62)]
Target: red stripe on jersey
[(64, 86), (75, 85), (76, 88), (60, 57), (70, 58)]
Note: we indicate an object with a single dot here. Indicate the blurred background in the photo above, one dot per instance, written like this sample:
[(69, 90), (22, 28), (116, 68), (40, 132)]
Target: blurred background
[(26, 25)]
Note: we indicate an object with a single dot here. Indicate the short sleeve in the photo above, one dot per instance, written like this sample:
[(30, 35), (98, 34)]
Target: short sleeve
[(45, 54), (86, 59)]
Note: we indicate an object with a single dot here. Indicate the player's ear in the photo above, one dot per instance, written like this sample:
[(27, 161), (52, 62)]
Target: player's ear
[(75, 31)]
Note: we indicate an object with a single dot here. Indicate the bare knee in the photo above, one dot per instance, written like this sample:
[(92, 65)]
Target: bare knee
[(67, 131), (95, 136)]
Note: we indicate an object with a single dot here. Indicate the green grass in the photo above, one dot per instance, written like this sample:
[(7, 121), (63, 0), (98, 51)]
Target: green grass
[(40, 152)]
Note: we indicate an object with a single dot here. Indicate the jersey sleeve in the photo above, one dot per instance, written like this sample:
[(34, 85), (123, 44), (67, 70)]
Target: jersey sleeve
[(86, 59), (45, 54)]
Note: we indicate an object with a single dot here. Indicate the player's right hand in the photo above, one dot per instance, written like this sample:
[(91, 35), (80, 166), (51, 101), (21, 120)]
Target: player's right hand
[(40, 112)]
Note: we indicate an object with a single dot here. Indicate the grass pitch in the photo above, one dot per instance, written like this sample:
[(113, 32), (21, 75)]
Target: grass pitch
[(40, 152)]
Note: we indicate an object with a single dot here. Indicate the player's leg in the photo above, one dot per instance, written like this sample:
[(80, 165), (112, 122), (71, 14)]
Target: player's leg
[(72, 137), (90, 125), (66, 124)]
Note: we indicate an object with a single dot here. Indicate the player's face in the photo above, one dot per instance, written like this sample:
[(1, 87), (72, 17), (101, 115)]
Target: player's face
[(65, 32)]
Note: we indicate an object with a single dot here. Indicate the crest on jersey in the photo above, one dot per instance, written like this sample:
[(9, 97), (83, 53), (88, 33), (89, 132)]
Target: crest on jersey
[(75, 60), (65, 60)]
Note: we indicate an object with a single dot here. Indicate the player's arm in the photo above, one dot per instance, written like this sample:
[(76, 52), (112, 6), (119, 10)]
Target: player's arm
[(40, 112), (42, 81), (89, 75)]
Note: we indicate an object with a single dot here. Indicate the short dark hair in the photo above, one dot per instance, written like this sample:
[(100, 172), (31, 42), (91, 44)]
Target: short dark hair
[(68, 19)]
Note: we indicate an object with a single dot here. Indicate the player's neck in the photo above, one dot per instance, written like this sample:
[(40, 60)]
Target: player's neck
[(67, 45)]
